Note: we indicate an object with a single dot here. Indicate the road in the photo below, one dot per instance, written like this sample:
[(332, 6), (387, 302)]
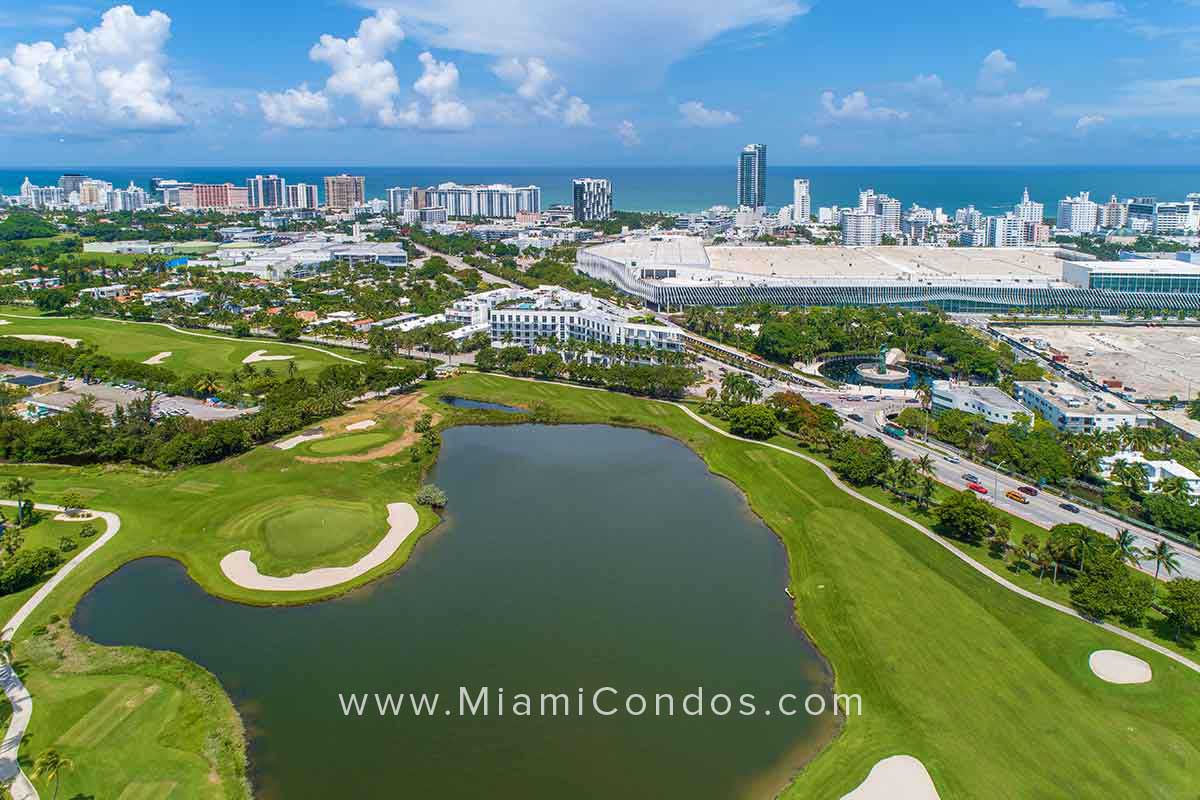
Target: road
[(459, 264), (1043, 510)]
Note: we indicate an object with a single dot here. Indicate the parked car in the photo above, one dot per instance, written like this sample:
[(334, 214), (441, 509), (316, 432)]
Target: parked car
[(1029, 490), (977, 487), (1074, 509), (970, 477)]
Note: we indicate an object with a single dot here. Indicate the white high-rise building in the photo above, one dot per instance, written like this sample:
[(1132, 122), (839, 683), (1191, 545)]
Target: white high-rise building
[(94, 194), (861, 228), (888, 210), (399, 199), (866, 200), (1027, 210), (493, 200), (1078, 214), (1005, 231), (592, 199), (801, 201), (133, 198), (1114, 213), (302, 196), (267, 191), (968, 217)]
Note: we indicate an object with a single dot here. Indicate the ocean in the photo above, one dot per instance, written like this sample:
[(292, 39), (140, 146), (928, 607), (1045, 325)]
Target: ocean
[(693, 188)]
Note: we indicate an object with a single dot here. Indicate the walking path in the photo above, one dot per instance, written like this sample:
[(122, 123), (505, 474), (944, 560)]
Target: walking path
[(18, 695), (980, 568)]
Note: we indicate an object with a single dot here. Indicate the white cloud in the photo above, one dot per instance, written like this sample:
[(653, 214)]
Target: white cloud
[(696, 114), (535, 83), (995, 70), (439, 83), (651, 36), (1167, 97), (362, 73), (112, 75), (1075, 9), (297, 108), (627, 133), (1088, 121), (1013, 101), (808, 140), (857, 106)]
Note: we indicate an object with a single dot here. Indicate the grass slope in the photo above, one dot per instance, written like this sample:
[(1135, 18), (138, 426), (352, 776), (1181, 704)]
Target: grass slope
[(189, 353)]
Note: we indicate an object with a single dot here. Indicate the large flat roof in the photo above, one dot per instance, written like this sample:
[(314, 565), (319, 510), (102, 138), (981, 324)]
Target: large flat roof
[(1141, 266), (888, 262), (654, 250)]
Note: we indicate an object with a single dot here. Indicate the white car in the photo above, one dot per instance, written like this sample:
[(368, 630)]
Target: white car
[(953, 459)]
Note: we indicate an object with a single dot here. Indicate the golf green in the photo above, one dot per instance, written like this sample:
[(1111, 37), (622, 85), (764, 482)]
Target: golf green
[(346, 445)]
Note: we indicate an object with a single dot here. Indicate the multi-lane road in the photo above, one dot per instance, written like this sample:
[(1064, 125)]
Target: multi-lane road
[(1045, 510)]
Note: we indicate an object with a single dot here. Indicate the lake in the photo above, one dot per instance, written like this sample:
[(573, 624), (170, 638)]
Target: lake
[(571, 558)]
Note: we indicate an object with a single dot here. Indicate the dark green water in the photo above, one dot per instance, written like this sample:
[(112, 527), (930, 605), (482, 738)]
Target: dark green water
[(572, 557)]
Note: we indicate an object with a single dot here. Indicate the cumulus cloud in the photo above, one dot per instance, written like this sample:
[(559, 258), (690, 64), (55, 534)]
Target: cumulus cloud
[(856, 106), (297, 108), (574, 33), (1013, 101), (809, 140), (362, 74), (111, 76), (995, 71), (536, 84), (627, 134), (1075, 9), (1089, 120), (698, 115)]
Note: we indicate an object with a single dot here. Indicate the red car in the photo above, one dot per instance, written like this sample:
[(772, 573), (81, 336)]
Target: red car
[(1029, 490), (976, 487)]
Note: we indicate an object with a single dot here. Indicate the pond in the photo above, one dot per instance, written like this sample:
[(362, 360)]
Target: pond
[(481, 405), (572, 558)]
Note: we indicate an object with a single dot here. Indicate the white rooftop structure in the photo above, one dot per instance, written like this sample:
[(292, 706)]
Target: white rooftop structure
[(1155, 471)]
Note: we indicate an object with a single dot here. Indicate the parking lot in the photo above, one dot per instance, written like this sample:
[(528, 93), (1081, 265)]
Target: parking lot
[(108, 397)]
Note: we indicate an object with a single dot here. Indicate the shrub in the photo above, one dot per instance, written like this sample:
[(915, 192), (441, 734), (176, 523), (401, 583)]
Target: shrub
[(26, 568), (423, 424), (432, 496), (66, 544), (753, 422)]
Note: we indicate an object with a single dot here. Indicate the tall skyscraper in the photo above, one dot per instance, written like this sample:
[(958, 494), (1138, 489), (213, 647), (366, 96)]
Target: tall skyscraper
[(343, 192), (266, 191), (302, 196), (1078, 214), (1027, 210), (70, 181), (752, 176), (593, 199), (801, 200)]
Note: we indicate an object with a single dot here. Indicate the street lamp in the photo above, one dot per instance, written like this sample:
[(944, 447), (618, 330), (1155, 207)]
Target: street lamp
[(996, 485)]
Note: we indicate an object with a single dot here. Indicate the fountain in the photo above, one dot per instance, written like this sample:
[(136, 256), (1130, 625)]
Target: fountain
[(886, 370)]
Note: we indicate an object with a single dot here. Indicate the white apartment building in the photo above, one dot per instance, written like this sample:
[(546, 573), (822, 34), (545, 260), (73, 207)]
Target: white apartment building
[(1071, 409), (480, 200), (801, 201), (888, 211), (1177, 217), (1114, 214), (1005, 231), (399, 198), (861, 229), (133, 198), (969, 217), (986, 401), (105, 292), (1078, 214), (522, 317), (1027, 210), (591, 199), (1155, 471), (302, 196)]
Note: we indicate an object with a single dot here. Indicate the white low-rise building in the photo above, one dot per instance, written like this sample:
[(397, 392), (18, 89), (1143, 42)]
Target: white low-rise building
[(986, 401), (105, 292), (1155, 471), (189, 296), (1072, 409)]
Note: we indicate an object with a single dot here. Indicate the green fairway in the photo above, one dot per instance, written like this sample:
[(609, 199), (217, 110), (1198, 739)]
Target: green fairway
[(344, 445), (991, 691), (191, 352)]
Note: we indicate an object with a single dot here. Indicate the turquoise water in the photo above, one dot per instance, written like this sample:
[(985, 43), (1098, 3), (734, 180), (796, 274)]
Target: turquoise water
[(990, 189)]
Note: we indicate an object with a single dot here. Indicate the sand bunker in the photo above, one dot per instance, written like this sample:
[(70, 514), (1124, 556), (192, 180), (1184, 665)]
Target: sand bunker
[(261, 355), (37, 337), (300, 438), (239, 568), (158, 359), (896, 778), (1117, 667), (361, 426)]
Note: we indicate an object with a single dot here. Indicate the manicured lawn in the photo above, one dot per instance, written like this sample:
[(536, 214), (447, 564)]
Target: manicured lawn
[(345, 445), (991, 691), (295, 533), (190, 353)]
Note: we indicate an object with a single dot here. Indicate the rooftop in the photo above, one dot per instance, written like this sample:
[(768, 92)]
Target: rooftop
[(1076, 400)]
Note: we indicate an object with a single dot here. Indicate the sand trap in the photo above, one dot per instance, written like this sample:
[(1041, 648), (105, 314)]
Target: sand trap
[(82, 516), (5, 322), (158, 359), (896, 778), (301, 438), (37, 337), (1117, 667), (361, 426), (261, 355), (239, 568)]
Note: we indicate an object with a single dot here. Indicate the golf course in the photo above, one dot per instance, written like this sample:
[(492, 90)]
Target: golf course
[(990, 691)]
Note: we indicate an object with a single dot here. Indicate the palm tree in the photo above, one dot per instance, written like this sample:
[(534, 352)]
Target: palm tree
[(1174, 486), (50, 765), (1125, 547), (925, 464), (18, 488), (928, 487), (208, 383), (1082, 543), (1164, 557), (6, 651)]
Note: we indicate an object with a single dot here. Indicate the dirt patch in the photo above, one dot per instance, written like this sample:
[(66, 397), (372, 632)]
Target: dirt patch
[(390, 412)]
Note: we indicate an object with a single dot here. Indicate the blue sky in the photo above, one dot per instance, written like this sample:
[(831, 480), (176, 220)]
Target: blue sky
[(514, 82)]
